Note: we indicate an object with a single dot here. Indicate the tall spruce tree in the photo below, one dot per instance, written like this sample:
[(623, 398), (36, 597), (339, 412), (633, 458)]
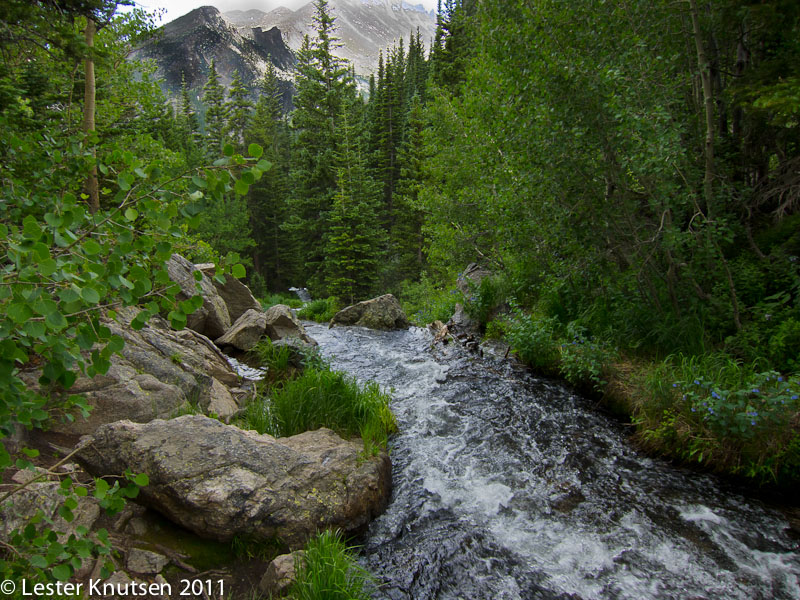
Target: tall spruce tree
[(238, 108), (216, 111), (354, 237), (273, 256), (323, 83)]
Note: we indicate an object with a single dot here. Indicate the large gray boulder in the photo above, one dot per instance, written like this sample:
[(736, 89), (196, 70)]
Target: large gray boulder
[(383, 312), (221, 482), (158, 374), (237, 296), (212, 319), (282, 324), (245, 332)]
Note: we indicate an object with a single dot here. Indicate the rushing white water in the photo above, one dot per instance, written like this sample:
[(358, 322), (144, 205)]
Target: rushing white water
[(508, 486)]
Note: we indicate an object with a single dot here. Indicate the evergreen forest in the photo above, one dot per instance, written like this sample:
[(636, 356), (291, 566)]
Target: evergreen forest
[(628, 172)]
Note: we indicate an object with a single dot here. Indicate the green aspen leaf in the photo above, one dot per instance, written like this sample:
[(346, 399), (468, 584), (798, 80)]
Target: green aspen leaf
[(116, 343), (248, 178), (199, 181), (255, 150), (55, 321), (124, 181), (141, 480), (53, 220), (90, 295), (39, 562), (227, 150), (177, 320), (34, 329), (62, 572), (131, 214), (30, 452), (80, 491), (140, 173), (238, 271), (19, 312), (91, 248), (31, 228), (102, 168), (41, 251), (48, 267), (264, 165), (3, 231), (241, 187)]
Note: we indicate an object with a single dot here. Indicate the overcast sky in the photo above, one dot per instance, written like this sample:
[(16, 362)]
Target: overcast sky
[(176, 8)]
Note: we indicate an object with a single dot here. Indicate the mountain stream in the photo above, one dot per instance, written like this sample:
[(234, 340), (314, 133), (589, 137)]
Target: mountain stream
[(508, 486)]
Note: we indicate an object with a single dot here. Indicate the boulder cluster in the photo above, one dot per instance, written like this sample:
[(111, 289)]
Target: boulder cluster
[(163, 409)]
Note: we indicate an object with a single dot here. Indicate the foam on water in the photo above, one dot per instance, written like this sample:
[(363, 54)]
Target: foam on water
[(508, 486)]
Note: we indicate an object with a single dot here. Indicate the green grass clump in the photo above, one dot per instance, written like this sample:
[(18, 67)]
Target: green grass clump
[(289, 300), (321, 310), (329, 571), (322, 398), (424, 301), (728, 416)]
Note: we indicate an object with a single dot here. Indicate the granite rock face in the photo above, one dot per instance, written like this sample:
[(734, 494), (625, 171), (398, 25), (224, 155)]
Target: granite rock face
[(383, 312), (220, 481)]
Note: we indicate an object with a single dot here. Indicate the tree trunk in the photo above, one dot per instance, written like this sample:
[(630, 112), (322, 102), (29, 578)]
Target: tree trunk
[(92, 187), (708, 101)]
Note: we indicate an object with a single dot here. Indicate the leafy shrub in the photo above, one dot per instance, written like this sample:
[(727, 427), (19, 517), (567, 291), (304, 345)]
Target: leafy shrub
[(329, 571), (258, 285), (583, 360), (425, 302), (484, 299), (321, 310), (321, 398), (534, 341)]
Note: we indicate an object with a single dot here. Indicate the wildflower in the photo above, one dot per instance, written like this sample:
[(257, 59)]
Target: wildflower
[(794, 397), (696, 382), (714, 395), (756, 390), (705, 403), (780, 378), (752, 422), (710, 410), (694, 409), (674, 385)]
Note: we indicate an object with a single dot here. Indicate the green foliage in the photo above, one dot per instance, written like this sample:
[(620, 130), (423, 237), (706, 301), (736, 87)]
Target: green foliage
[(535, 341), (584, 361), (718, 412), (484, 299), (288, 299), (329, 571), (426, 301), (320, 310), (322, 398)]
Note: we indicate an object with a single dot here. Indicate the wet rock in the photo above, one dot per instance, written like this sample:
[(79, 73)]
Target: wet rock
[(245, 332), (282, 324), (212, 319), (145, 562), (280, 574), (383, 312), (158, 372), (221, 482), (221, 401)]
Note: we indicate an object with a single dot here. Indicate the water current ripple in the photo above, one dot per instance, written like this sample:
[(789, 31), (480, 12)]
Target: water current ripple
[(507, 486)]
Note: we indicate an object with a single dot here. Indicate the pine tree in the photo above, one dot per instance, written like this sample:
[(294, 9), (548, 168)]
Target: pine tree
[(191, 141), (214, 101), (354, 240), (274, 252), (238, 108), (322, 86), (405, 238)]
